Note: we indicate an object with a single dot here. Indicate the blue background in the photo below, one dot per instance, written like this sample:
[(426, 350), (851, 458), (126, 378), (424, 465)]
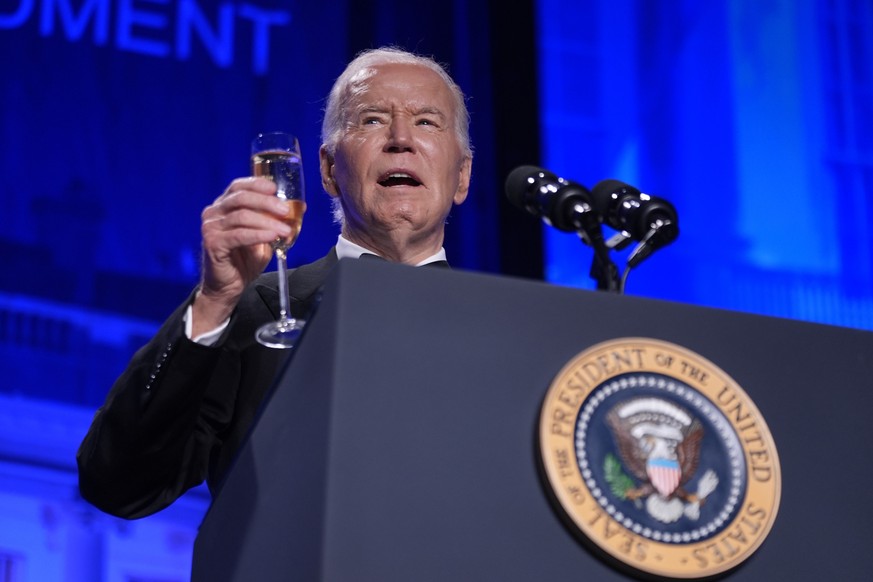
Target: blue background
[(121, 119)]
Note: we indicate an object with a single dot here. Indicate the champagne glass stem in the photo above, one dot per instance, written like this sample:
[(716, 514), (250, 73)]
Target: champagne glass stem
[(282, 268)]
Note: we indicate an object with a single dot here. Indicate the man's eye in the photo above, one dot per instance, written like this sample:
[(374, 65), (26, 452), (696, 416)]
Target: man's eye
[(371, 121), (426, 121)]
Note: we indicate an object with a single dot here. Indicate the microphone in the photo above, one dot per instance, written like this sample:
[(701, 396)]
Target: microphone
[(651, 220), (567, 206), (560, 203)]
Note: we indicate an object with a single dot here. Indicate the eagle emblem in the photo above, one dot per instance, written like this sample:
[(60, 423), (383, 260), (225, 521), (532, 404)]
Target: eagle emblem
[(659, 444), (648, 461)]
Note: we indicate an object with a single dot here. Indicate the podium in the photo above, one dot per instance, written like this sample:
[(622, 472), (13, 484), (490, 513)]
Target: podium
[(400, 441)]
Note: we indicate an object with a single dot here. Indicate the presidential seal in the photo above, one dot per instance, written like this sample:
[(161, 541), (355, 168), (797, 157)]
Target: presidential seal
[(659, 459)]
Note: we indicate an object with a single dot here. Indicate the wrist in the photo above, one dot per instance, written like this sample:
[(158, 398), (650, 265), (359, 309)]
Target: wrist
[(209, 311)]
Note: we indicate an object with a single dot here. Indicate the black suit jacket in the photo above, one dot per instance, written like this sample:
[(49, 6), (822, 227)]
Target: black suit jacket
[(179, 412)]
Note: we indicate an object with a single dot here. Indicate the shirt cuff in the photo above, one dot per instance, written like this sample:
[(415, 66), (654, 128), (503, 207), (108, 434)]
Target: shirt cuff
[(208, 338)]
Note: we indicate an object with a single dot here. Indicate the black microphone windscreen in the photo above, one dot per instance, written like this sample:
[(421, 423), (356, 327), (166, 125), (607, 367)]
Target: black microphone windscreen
[(604, 192), (625, 208), (519, 182)]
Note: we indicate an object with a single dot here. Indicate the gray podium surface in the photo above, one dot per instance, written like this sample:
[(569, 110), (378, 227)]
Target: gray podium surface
[(400, 441)]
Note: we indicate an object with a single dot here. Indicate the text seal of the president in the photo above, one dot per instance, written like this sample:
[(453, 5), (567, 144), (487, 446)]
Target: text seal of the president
[(659, 458)]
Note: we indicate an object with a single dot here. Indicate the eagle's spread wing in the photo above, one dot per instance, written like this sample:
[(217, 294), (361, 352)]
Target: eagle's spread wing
[(688, 451), (631, 455)]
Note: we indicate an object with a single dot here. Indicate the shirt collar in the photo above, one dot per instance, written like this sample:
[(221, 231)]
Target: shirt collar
[(346, 249)]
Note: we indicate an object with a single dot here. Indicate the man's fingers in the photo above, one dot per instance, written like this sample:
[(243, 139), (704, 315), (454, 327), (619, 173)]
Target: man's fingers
[(234, 200), (260, 185), (228, 240), (242, 227), (247, 213)]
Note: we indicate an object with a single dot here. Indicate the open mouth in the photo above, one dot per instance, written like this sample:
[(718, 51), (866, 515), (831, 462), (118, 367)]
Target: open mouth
[(398, 179)]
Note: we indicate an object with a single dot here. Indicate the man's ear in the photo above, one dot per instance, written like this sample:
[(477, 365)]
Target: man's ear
[(325, 161), (464, 181)]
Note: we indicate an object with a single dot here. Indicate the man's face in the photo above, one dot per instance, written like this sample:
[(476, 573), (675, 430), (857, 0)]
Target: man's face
[(398, 168)]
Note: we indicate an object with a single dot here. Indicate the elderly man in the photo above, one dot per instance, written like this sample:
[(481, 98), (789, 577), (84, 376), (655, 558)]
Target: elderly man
[(395, 157)]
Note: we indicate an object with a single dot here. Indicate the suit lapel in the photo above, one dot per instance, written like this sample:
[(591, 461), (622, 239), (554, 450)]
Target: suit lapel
[(303, 283)]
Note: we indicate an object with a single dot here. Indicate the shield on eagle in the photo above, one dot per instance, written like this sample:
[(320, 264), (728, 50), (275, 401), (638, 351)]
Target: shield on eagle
[(664, 474)]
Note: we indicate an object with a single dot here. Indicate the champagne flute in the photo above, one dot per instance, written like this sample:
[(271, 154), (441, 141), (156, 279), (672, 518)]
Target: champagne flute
[(277, 156)]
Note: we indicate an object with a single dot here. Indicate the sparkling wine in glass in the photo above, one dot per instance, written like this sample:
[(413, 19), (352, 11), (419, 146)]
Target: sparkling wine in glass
[(277, 156)]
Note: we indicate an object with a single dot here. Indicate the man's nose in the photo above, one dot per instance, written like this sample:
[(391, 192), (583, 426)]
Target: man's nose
[(400, 137)]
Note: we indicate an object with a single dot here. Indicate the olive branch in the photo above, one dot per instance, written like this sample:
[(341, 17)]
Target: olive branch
[(619, 482)]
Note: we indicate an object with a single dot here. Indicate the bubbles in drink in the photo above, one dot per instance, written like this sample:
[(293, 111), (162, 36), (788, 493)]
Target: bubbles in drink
[(282, 167)]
